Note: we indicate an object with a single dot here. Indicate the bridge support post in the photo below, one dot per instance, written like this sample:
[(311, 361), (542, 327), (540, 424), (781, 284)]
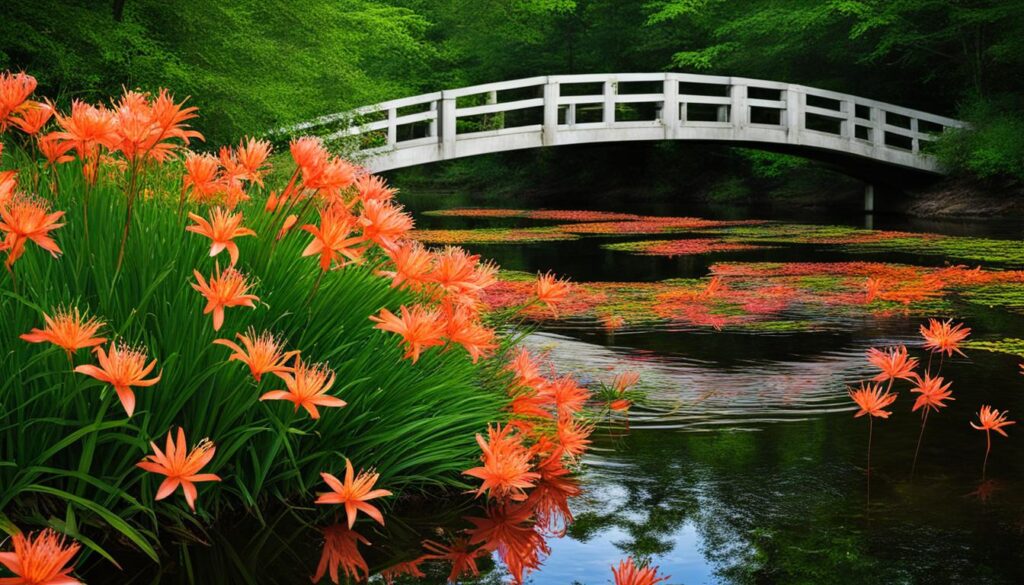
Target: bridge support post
[(739, 110), (446, 137), (869, 198), (670, 107), (608, 113), (794, 115), (549, 135)]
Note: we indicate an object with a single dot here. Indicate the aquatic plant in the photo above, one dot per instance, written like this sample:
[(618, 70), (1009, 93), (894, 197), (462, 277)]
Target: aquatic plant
[(871, 400), (990, 419), (933, 395), (493, 236), (686, 247)]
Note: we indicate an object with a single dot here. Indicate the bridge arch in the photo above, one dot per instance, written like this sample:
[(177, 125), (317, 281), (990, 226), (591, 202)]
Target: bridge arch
[(620, 107)]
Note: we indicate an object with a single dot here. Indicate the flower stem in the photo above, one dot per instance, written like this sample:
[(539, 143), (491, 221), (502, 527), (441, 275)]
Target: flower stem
[(920, 436)]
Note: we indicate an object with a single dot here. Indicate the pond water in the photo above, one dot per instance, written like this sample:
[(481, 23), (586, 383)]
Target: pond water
[(746, 464)]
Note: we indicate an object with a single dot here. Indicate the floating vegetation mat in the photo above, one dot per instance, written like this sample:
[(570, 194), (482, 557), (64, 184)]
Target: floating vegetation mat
[(764, 296), (1010, 345), (685, 247), (492, 236)]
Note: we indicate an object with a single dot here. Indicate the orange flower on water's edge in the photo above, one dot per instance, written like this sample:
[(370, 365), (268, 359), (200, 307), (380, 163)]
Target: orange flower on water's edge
[(933, 393), (506, 469), (572, 436), (14, 90), (353, 493), (549, 499), (551, 290), (307, 387), (261, 353), (42, 560), (123, 367), (180, 465), (222, 227), (620, 404), (526, 371), (893, 362), (384, 222), (458, 553), (225, 289), (374, 188), (462, 327), (334, 239), (991, 419), (625, 380), (413, 264), (341, 551), (509, 530), (67, 329), (943, 336), (872, 399), (31, 116), (200, 178), (25, 219), (419, 327), (566, 394), (628, 573)]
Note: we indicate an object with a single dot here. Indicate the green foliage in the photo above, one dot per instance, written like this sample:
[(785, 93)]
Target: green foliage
[(67, 450), (994, 145)]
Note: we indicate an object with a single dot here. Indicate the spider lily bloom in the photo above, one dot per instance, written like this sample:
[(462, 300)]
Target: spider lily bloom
[(873, 289), (566, 395), (373, 188), (990, 420), (526, 371), (334, 240), (252, 157), (55, 151), (261, 353), (67, 330), (413, 264), (307, 387), (458, 553), (200, 178), (85, 130), (14, 90), (181, 466), (354, 493), (872, 400), (628, 573), (551, 291), (222, 228), (509, 530), (419, 327), (31, 116), (944, 337), (341, 551), (894, 363), (123, 367), (8, 183), (26, 218), (42, 560), (506, 469), (405, 568), (572, 436), (147, 125), (625, 381), (462, 327), (384, 223), (225, 289), (549, 500)]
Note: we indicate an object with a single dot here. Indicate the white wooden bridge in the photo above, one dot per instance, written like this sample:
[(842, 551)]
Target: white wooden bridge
[(620, 107)]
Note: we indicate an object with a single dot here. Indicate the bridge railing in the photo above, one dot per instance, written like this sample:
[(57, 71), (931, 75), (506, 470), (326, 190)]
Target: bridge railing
[(562, 108)]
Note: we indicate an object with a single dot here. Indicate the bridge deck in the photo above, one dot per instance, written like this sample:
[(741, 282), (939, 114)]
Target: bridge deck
[(576, 109)]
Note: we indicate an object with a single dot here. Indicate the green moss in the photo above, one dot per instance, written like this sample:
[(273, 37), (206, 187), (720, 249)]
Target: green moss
[(1010, 345)]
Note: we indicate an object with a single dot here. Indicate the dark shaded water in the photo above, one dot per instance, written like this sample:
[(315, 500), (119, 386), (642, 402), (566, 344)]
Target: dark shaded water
[(747, 466)]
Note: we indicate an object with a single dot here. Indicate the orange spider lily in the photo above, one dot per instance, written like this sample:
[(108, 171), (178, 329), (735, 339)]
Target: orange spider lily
[(180, 465), (307, 387), (54, 150), (25, 219), (68, 330), (458, 553), (413, 264), (14, 90), (506, 469), (200, 178), (526, 371), (384, 223), (510, 532), (462, 327), (261, 353), (572, 436), (42, 560), (549, 500), (309, 155), (551, 291), (933, 393), (872, 400), (146, 125), (354, 493), (455, 270), (419, 327), (333, 240), (894, 363), (628, 573), (225, 289), (991, 420), (330, 178), (289, 223), (341, 550), (567, 396), (873, 289), (374, 188), (31, 116), (620, 404), (123, 367), (943, 336), (8, 183), (252, 156), (625, 381), (86, 130), (405, 568), (222, 228)]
